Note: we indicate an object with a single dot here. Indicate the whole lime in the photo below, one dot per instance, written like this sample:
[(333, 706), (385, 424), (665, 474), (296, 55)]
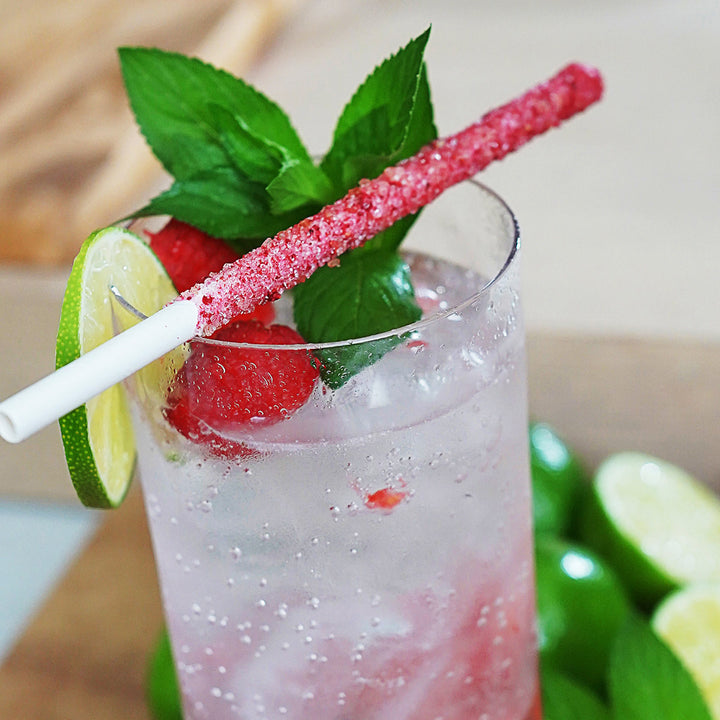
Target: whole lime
[(557, 480), (581, 606)]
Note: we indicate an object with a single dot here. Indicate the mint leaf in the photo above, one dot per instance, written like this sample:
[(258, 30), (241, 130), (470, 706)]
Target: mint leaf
[(222, 204), (252, 155), (388, 118), (565, 699), (219, 138), (298, 183), (291, 180), (176, 96), (647, 681), (368, 293), (420, 131)]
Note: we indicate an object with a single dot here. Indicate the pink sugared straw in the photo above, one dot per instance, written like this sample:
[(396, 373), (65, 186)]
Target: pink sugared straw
[(291, 256)]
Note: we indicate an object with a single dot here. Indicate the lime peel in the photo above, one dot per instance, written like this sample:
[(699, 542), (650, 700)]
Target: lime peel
[(97, 436)]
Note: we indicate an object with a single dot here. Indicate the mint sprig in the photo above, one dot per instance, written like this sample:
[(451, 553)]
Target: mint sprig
[(389, 118), (223, 142), (242, 173)]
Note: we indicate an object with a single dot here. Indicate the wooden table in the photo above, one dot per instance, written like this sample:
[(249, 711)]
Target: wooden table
[(84, 655)]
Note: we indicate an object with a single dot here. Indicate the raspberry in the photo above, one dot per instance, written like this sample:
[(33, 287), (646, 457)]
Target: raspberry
[(224, 389), (384, 499), (189, 256)]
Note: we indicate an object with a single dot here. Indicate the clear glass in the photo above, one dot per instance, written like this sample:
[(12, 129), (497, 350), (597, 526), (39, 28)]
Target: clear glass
[(370, 556)]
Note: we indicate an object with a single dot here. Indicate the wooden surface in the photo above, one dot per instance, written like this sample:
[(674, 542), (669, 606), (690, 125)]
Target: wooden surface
[(605, 395), (84, 655)]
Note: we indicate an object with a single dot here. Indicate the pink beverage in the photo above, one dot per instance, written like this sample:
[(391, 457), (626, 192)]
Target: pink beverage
[(370, 556)]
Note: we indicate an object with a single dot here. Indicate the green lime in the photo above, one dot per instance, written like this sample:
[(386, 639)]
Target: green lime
[(564, 698), (557, 480), (163, 693), (581, 606), (97, 436), (657, 525), (688, 620)]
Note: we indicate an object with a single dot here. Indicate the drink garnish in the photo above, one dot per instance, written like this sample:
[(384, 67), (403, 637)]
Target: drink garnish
[(372, 207), (292, 255), (189, 255), (242, 173), (223, 390), (97, 436)]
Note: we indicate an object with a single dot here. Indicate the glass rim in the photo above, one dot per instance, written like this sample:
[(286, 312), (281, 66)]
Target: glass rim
[(398, 332)]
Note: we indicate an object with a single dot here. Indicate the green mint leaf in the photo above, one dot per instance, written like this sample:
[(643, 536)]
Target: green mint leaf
[(176, 96), (222, 204), (298, 183), (565, 699), (202, 123), (252, 155), (388, 118), (367, 293), (647, 681), (420, 131), (291, 181)]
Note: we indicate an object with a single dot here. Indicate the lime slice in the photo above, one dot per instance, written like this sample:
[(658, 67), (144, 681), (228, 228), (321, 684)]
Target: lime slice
[(689, 622), (98, 437), (659, 527)]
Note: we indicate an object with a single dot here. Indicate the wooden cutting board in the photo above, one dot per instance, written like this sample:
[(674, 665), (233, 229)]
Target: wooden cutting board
[(84, 656), (72, 158)]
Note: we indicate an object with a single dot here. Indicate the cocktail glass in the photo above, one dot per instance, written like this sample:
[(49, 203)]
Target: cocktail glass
[(370, 556)]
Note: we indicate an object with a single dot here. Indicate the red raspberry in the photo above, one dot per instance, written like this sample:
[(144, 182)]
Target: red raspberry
[(224, 389), (189, 256)]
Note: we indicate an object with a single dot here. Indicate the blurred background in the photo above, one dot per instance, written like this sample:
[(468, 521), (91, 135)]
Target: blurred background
[(619, 210)]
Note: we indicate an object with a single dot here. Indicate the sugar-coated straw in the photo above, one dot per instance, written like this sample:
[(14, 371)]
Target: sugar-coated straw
[(292, 255)]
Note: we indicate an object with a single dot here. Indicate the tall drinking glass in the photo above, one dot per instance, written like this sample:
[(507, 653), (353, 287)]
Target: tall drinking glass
[(369, 557)]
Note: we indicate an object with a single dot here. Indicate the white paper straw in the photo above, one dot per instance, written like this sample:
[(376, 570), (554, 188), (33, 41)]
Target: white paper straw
[(70, 386)]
